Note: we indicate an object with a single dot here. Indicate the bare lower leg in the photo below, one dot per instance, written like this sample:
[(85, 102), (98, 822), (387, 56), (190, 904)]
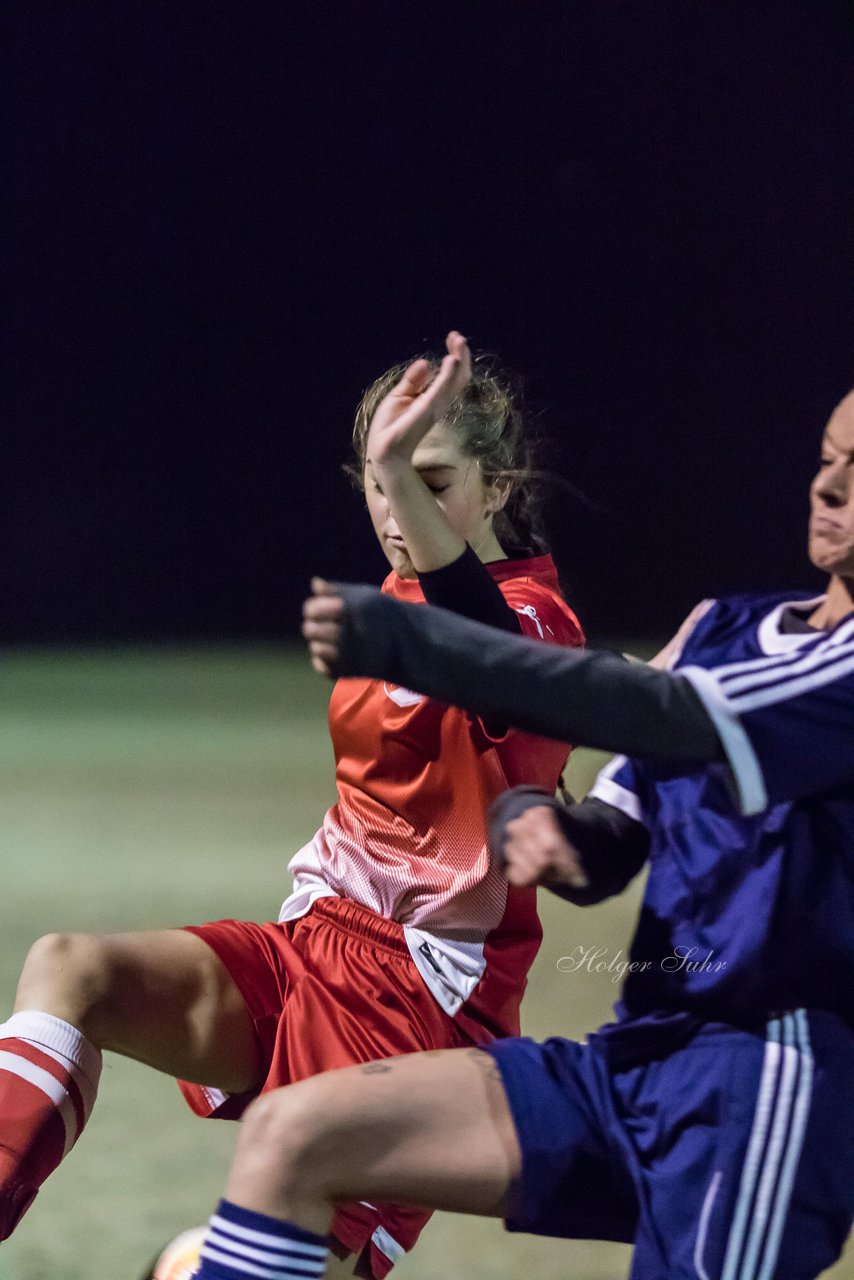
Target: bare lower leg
[(431, 1129)]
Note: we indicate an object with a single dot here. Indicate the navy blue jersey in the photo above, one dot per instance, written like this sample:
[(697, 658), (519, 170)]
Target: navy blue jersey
[(749, 907)]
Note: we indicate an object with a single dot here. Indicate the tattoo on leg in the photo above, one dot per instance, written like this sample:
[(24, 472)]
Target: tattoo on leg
[(376, 1068)]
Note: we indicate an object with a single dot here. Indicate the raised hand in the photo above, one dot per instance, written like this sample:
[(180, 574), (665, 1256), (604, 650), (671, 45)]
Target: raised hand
[(416, 403)]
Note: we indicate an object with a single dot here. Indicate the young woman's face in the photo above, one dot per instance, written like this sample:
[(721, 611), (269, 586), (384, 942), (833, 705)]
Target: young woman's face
[(456, 482), (831, 535)]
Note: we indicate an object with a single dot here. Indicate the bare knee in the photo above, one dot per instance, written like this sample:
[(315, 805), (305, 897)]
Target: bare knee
[(68, 975), (287, 1156), (285, 1141)]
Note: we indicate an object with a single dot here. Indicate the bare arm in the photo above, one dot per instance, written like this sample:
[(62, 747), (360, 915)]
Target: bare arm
[(400, 423)]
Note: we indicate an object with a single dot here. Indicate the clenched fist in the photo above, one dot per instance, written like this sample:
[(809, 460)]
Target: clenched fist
[(534, 850)]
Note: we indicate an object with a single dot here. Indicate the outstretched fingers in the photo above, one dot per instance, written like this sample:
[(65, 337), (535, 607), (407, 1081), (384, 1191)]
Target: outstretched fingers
[(417, 402), (453, 376), (413, 381)]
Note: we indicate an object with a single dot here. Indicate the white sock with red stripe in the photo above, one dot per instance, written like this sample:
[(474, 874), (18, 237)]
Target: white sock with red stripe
[(49, 1076)]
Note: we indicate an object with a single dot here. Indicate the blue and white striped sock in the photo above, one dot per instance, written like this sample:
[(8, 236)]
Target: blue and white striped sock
[(242, 1245)]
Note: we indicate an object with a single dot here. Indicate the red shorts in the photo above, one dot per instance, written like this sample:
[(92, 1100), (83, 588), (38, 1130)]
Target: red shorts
[(333, 988)]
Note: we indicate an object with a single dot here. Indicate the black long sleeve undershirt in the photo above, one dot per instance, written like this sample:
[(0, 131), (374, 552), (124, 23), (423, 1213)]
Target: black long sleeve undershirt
[(589, 698), (611, 846), (466, 587)]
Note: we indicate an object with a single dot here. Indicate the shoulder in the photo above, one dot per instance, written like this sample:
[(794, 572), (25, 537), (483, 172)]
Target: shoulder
[(746, 617), (752, 607), (542, 611)]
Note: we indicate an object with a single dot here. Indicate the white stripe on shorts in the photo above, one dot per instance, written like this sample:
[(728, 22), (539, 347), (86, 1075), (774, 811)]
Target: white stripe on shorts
[(388, 1245), (793, 1147), (776, 1141)]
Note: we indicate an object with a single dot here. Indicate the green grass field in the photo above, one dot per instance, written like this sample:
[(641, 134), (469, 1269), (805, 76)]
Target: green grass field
[(143, 789)]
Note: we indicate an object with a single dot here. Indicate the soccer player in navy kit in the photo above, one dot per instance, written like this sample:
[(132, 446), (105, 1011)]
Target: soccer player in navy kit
[(711, 1123)]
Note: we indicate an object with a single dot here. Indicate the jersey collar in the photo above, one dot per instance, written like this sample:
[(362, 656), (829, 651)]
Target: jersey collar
[(774, 640)]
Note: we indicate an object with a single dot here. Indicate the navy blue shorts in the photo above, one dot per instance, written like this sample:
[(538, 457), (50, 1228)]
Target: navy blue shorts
[(729, 1158)]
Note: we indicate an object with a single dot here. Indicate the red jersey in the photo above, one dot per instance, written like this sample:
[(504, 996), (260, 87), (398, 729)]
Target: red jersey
[(407, 837)]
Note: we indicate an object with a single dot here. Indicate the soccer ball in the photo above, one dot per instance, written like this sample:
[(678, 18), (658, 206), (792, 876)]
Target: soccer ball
[(180, 1259)]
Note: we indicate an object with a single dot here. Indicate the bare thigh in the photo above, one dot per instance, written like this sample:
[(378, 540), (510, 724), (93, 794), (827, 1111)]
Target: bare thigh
[(431, 1129), (163, 998)]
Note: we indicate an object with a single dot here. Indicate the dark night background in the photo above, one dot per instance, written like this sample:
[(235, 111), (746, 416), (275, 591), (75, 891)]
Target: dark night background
[(227, 218)]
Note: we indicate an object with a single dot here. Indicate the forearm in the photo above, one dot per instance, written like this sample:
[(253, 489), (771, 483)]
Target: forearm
[(430, 540), (465, 587), (591, 699), (611, 848)]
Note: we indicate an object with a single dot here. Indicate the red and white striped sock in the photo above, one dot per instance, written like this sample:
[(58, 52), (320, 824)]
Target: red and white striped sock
[(49, 1076)]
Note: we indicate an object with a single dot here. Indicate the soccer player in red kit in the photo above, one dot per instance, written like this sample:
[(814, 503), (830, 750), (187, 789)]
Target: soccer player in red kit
[(399, 935)]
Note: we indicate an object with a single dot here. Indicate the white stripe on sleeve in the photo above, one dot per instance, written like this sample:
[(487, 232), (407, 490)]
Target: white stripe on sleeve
[(742, 759), (617, 796), (824, 669)]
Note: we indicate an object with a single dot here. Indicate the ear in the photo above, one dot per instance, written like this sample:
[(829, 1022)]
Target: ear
[(499, 492)]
